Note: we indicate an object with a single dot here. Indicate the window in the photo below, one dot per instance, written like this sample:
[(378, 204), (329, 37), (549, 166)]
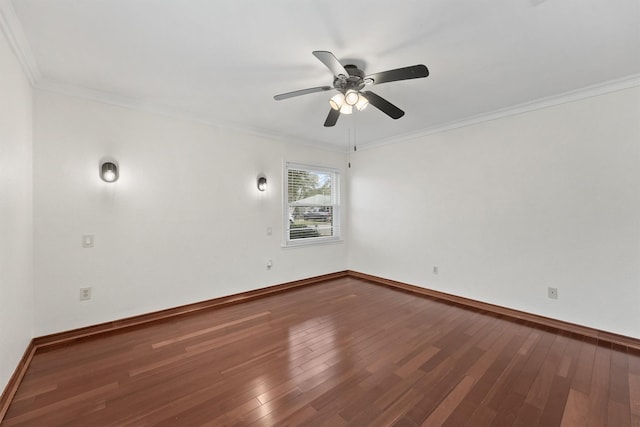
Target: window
[(312, 205)]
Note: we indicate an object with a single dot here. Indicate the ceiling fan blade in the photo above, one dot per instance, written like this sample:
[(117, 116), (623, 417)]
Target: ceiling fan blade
[(331, 62), (406, 73), (383, 105), (301, 92), (332, 118)]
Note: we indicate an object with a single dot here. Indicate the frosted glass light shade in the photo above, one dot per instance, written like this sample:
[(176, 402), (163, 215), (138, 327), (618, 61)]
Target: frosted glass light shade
[(351, 97), (262, 183), (337, 101), (346, 109), (362, 103), (109, 172)]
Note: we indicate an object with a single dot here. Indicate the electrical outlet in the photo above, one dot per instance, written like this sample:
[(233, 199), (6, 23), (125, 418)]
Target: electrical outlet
[(552, 293), (87, 240), (435, 269), (269, 264), (85, 294)]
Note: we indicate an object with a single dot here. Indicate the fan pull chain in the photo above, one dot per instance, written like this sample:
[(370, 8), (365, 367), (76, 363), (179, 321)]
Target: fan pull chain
[(355, 133), (349, 148)]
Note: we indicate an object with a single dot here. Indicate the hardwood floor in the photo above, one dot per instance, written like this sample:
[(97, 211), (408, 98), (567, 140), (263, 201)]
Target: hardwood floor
[(342, 352)]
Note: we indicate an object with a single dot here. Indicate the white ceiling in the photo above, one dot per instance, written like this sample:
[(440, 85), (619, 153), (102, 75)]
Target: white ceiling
[(222, 61)]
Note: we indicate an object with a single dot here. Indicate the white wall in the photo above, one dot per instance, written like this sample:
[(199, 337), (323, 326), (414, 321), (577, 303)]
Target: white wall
[(507, 208), (184, 223), (16, 213), (504, 208)]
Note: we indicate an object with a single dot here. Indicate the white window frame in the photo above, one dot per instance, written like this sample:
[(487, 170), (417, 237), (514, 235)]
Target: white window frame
[(335, 206)]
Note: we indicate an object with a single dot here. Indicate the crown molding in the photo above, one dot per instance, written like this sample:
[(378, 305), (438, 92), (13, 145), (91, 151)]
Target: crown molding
[(538, 104), (136, 104), (12, 29)]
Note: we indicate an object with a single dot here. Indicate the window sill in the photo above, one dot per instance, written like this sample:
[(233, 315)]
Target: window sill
[(312, 242)]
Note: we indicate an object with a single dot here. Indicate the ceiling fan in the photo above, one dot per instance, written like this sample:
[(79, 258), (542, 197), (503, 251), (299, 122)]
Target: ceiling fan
[(350, 81)]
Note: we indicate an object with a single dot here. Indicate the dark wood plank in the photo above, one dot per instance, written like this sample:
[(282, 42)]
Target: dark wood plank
[(599, 393), (555, 402), (576, 411)]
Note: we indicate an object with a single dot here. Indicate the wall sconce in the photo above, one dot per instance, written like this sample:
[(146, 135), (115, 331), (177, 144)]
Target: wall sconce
[(109, 171), (262, 183)]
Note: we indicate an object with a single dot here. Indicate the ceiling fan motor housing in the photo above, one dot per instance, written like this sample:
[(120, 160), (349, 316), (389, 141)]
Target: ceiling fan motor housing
[(354, 81)]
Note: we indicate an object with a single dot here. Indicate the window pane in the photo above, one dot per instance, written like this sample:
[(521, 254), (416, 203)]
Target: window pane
[(311, 203), (307, 187)]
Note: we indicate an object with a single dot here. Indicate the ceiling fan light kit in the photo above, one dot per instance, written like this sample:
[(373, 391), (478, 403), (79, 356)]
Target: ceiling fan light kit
[(349, 81), (344, 103)]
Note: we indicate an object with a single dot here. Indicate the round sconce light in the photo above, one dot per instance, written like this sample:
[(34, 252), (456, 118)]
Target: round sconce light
[(262, 183), (109, 171)]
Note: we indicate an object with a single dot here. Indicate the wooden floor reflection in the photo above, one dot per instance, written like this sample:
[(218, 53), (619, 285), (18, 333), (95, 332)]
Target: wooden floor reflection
[(343, 352)]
